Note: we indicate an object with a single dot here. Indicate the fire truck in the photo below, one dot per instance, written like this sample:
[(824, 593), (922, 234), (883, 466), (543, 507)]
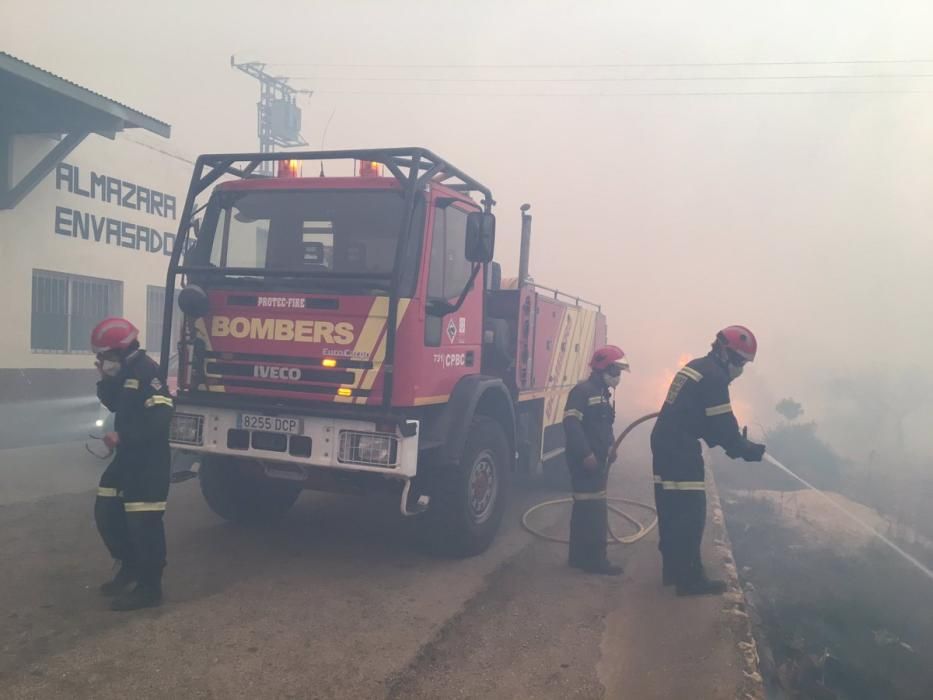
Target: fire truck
[(353, 334)]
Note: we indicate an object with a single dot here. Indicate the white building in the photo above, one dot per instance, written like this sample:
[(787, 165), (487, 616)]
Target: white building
[(88, 217)]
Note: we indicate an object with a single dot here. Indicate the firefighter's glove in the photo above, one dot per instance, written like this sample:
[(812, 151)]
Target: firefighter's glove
[(590, 463), (753, 451), (737, 451)]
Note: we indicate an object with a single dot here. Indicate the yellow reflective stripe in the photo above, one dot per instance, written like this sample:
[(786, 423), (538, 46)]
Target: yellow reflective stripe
[(144, 506), (719, 410), (159, 401), (683, 485), (589, 496), (105, 492), (131, 384), (691, 373), (595, 400), (573, 413), (657, 479)]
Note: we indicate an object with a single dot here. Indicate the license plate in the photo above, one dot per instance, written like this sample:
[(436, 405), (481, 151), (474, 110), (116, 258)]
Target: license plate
[(270, 424)]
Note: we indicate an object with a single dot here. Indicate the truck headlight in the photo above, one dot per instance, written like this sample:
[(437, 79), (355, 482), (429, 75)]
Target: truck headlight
[(187, 429), (368, 449)]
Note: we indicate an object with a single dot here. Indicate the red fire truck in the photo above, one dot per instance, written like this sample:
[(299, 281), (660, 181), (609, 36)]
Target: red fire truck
[(353, 333)]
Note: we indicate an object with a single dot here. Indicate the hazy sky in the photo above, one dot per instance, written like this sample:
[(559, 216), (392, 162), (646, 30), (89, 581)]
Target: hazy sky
[(805, 217)]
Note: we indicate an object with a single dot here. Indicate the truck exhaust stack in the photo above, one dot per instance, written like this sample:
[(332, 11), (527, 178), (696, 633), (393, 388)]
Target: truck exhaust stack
[(525, 251)]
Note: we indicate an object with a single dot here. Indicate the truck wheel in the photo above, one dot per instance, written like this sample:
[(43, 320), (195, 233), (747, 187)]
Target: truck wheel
[(469, 498), (237, 491)]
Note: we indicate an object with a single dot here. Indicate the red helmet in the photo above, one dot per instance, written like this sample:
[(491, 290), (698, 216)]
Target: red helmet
[(608, 355), (739, 340), (113, 334)]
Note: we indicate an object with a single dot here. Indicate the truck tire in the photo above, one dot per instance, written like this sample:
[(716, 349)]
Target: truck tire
[(469, 498), (242, 495)]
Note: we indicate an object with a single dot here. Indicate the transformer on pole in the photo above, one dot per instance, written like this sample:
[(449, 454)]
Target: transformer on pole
[(278, 117)]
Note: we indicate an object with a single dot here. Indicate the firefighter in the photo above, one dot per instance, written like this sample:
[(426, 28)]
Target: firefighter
[(588, 420), (133, 489), (697, 407)]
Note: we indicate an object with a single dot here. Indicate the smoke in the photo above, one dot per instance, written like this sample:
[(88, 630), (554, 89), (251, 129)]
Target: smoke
[(796, 206)]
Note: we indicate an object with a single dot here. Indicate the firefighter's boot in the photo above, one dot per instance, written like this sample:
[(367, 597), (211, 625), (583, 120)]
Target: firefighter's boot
[(701, 585), (124, 578), (144, 595)]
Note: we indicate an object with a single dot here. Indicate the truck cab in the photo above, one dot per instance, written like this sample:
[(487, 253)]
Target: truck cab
[(349, 333)]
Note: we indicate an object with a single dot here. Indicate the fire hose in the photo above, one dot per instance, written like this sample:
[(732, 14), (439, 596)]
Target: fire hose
[(613, 538), (643, 529), (102, 455)]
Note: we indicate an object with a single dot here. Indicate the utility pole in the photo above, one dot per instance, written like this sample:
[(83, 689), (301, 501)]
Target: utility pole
[(278, 117)]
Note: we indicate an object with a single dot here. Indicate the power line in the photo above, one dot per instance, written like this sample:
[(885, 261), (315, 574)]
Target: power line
[(699, 64), (176, 156), (618, 79), (748, 93)]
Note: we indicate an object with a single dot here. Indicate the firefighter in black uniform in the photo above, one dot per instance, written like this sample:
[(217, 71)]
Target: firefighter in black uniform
[(588, 420), (133, 489), (697, 407)]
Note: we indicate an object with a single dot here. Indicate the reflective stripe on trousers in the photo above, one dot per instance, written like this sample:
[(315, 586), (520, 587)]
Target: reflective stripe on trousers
[(144, 506), (680, 485)]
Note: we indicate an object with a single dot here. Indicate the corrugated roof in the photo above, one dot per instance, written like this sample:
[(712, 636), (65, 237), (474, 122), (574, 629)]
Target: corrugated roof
[(63, 86)]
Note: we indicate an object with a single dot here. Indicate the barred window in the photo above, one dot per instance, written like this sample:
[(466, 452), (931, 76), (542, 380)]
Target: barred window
[(65, 308), (155, 308)]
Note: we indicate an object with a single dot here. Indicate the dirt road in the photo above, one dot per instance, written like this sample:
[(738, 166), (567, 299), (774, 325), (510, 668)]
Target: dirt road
[(336, 602)]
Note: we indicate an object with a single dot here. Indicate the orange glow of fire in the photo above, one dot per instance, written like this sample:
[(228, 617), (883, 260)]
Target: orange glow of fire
[(661, 381)]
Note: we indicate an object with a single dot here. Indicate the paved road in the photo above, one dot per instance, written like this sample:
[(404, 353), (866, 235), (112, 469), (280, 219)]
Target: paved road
[(47, 422), (336, 602), (31, 473)]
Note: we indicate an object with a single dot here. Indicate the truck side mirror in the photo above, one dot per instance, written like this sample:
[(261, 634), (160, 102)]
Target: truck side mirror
[(193, 301), (480, 237)]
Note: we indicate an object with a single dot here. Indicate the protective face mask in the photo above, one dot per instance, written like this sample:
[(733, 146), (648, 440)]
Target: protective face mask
[(110, 367), (735, 371), (612, 381)]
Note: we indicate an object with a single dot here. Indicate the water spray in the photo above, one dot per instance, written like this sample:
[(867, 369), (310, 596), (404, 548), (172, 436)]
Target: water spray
[(862, 524), (643, 530)]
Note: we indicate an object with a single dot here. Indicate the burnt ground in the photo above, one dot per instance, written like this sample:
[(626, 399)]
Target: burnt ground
[(833, 621)]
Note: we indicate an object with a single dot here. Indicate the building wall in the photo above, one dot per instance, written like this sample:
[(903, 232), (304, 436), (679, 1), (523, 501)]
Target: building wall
[(109, 211)]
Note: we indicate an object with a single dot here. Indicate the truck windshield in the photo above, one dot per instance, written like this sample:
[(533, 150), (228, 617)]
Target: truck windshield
[(347, 237)]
